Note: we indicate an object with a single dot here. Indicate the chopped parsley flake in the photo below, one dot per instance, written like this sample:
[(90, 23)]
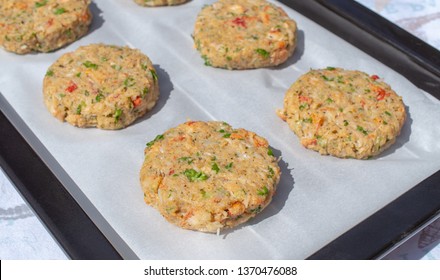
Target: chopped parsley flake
[(153, 73), (388, 113), (229, 166), (99, 97), (129, 82), (193, 175), (271, 172), (263, 191), (40, 4), (270, 152), (361, 129), (330, 68), (89, 64), (49, 73), (207, 61), (263, 53), (188, 160), (59, 11), (158, 137), (345, 122), (327, 78), (215, 167), (118, 114)]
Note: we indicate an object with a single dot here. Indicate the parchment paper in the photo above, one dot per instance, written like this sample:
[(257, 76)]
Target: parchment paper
[(318, 198)]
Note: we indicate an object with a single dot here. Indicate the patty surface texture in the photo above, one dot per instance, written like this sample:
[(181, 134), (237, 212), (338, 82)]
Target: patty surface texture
[(102, 86), (344, 113), (42, 26), (208, 176), (244, 34)]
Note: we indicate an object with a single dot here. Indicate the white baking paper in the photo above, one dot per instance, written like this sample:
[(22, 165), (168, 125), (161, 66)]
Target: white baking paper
[(318, 198)]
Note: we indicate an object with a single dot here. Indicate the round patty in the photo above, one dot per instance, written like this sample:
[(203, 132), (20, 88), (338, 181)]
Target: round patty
[(101, 86), (154, 3), (208, 176), (347, 114), (244, 34), (43, 26)]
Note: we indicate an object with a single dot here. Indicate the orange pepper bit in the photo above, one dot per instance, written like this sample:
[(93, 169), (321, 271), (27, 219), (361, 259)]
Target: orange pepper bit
[(307, 142), (137, 101), (303, 98), (259, 142)]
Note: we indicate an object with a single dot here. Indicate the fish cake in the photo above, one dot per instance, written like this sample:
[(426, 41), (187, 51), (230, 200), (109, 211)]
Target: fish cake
[(244, 34), (344, 113), (42, 26), (208, 176), (102, 86), (155, 3)]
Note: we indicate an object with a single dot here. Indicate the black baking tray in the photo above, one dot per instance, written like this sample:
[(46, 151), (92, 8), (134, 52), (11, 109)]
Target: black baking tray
[(417, 61)]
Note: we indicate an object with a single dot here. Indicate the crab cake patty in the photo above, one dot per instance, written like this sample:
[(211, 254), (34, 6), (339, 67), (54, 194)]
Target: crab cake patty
[(244, 34), (42, 26), (154, 3), (347, 114), (101, 86), (208, 176)]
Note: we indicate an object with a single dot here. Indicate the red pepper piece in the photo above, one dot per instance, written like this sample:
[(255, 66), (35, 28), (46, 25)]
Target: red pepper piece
[(375, 77), (72, 86), (381, 93), (240, 22)]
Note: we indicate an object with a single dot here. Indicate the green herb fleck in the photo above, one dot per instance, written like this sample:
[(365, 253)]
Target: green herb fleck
[(263, 191), (263, 53), (59, 11), (329, 100), (203, 193), (193, 175), (303, 106), (158, 137), (78, 109), (388, 113), (89, 64), (308, 120), (256, 210), (153, 73), (40, 4), (118, 114), (78, 74), (345, 122), (207, 61), (226, 135), (116, 67), (330, 68), (49, 73), (215, 168), (228, 58), (327, 78), (270, 152), (229, 166), (188, 160), (144, 92), (129, 82), (99, 97), (361, 129), (271, 172)]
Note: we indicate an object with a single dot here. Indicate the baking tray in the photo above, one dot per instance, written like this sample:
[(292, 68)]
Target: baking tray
[(81, 239)]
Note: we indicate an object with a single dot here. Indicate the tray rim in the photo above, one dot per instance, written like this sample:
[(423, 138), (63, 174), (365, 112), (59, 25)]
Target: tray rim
[(424, 72)]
